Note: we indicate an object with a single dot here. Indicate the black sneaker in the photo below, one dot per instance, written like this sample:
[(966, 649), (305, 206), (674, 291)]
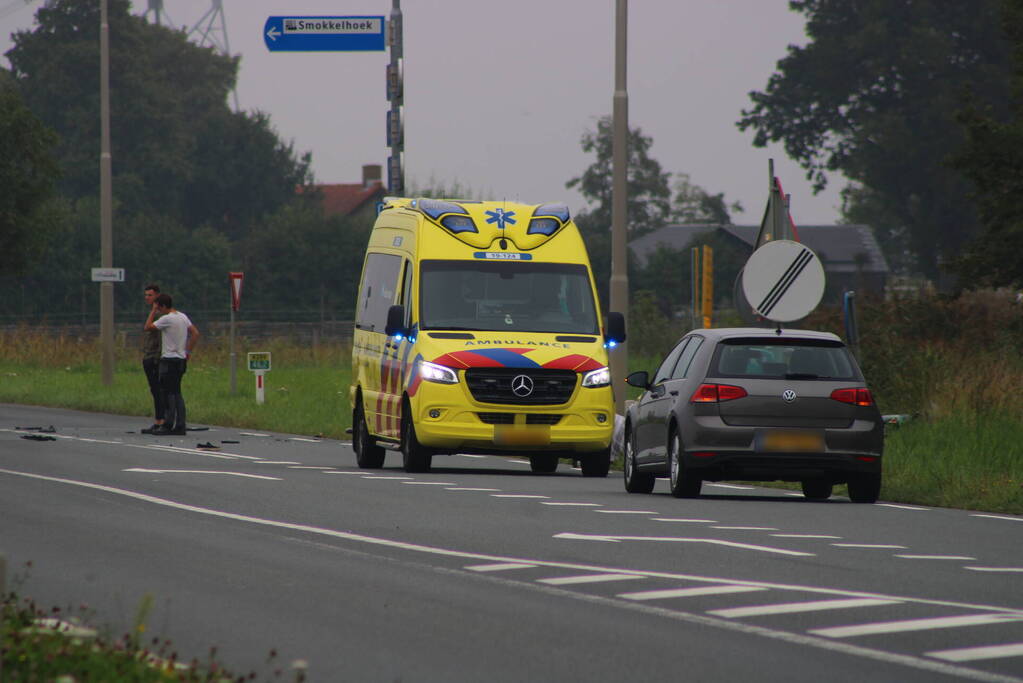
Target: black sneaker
[(179, 431), (151, 429)]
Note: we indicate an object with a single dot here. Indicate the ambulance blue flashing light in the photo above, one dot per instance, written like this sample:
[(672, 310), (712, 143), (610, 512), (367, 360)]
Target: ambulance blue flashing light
[(543, 226), (558, 211), (610, 344), (434, 208), (458, 223)]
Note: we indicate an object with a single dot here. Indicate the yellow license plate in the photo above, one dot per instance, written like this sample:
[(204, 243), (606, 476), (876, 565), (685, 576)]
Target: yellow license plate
[(524, 435), (793, 441)]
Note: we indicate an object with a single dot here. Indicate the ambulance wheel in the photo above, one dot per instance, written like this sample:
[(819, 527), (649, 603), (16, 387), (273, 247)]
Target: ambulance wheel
[(368, 455), (596, 464), (543, 463), (415, 457)]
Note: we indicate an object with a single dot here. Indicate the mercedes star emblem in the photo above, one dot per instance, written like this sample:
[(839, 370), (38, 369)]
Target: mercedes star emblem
[(788, 395), (522, 386)]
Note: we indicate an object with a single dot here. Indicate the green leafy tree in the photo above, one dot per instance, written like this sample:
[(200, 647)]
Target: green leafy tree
[(29, 211), (693, 204), (177, 149), (992, 159), (873, 95)]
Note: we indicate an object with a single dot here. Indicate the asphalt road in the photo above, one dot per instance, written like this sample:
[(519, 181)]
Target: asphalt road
[(481, 570)]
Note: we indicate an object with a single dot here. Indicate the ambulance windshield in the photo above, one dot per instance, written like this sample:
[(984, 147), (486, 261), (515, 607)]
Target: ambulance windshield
[(519, 296)]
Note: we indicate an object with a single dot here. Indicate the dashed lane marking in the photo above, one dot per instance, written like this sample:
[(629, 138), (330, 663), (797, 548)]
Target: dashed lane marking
[(429, 483), (380, 476), (677, 519), (936, 557), (587, 578), (915, 625), (252, 434), (233, 474), (571, 504), (732, 486), (804, 536), (299, 438), (468, 488), (516, 495), (627, 512), (1003, 517), (876, 546), (794, 607), (676, 539), (309, 467), (970, 654), (995, 569), (747, 528), (688, 592), (499, 567), (900, 507), (278, 462)]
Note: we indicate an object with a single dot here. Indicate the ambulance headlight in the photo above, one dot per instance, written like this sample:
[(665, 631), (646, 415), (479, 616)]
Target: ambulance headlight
[(432, 372), (600, 377)]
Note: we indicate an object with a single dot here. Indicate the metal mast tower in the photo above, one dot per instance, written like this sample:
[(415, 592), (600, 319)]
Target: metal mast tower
[(211, 29)]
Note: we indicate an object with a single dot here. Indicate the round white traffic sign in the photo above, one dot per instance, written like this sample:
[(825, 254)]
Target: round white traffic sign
[(783, 281)]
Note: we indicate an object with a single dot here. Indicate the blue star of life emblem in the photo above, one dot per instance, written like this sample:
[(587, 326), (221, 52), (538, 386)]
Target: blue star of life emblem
[(500, 216)]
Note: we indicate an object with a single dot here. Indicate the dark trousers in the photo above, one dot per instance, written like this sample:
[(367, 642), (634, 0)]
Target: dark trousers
[(171, 371), (151, 366)]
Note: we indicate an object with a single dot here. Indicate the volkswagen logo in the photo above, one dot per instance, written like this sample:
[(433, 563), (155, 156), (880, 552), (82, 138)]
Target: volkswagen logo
[(788, 395), (522, 386)]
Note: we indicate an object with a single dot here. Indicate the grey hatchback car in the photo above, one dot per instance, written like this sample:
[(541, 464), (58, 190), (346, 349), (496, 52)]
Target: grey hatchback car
[(759, 405)]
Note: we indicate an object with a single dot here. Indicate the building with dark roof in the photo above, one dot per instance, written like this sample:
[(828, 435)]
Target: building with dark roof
[(851, 257)]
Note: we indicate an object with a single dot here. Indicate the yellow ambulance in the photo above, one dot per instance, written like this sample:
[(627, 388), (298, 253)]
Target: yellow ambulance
[(478, 331)]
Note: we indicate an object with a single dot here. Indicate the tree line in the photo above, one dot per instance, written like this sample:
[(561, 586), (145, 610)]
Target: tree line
[(924, 121)]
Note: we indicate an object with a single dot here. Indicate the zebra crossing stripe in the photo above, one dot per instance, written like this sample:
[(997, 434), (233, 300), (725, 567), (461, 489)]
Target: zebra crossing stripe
[(782, 286), (915, 625), (971, 654)]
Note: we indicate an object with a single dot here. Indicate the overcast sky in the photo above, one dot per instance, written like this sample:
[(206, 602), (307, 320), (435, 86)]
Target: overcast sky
[(498, 94)]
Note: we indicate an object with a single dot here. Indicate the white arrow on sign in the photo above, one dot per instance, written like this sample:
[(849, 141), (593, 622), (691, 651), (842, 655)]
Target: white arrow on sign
[(273, 33), (675, 539)]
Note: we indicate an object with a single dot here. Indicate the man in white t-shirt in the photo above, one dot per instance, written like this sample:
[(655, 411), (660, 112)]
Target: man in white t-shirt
[(178, 337)]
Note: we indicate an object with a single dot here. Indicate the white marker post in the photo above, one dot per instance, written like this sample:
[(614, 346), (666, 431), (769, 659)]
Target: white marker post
[(259, 363)]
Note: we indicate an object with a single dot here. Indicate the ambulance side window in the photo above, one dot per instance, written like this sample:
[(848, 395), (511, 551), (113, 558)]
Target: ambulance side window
[(406, 293), (376, 295)]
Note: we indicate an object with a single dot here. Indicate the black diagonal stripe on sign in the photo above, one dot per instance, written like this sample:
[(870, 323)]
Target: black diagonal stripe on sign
[(783, 285)]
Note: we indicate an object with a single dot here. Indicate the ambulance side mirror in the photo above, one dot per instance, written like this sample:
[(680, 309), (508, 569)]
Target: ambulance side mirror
[(395, 321), (615, 328)]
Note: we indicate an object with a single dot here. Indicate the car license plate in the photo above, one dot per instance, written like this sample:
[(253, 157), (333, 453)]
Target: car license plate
[(792, 441)]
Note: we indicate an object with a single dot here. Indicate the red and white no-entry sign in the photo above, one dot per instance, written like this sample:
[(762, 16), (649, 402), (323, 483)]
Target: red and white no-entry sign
[(236, 289)]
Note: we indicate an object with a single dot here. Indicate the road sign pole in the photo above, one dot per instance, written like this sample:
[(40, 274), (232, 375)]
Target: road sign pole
[(106, 289), (396, 95), (619, 284), (234, 358), (260, 395)]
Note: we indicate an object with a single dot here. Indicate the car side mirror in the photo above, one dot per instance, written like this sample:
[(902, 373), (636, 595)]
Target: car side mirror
[(395, 321), (639, 379), (615, 328)]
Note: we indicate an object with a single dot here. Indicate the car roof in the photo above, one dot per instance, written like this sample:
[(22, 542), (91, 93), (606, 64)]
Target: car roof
[(720, 333)]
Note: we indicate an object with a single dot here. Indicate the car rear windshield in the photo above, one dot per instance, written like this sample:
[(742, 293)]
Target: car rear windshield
[(783, 359)]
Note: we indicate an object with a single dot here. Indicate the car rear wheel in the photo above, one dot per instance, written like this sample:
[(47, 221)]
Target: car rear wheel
[(596, 464), (817, 489), (368, 455), (543, 463), (415, 457), (683, 483), (865, 488), (635, 481)]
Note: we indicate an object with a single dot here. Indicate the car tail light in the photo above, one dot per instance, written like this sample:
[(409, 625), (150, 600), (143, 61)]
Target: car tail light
[(701, 454), (857, 397), (715, 393)]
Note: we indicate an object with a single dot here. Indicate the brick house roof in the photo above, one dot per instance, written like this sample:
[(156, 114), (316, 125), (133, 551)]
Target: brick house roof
[(343, 199)]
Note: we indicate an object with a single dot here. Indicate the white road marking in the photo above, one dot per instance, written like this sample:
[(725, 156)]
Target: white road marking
[(516, 495), (499, 567), (429, 483), (697, 619), (627, 512), (299, 438), (677, 519), (688, 592), (573, 504), (970, 654), (915, 625), (805, 536), (81, 438), (520, 462), (1008, 519), (252, 434), (936, 557), (732, 486), (793, 607), (309, 467), (192, 451), (995, 569), (748, 528), (676, 539), (466, 455), (900, 507), (468, 488), (588, 578), (380, 476), (279, 462), (347, 472), (233, 474), (879, 546)]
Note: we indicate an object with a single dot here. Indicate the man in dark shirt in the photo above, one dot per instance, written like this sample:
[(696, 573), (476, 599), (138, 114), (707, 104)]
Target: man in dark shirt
[(151, 362)]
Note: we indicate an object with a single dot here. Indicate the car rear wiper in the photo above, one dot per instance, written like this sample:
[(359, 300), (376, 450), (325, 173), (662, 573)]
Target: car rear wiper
[(801, 375)]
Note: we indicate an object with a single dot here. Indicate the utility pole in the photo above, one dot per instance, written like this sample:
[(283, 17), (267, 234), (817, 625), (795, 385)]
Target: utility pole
[(106, 289), (396, 94), (619, 202)]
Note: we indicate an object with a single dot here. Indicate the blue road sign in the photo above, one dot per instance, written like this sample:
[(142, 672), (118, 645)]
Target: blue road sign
[(324, 34)]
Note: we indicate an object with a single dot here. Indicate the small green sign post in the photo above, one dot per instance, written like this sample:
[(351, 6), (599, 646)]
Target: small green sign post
[(259, 363)]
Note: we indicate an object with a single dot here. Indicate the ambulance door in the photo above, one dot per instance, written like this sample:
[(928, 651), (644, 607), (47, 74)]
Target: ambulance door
[(377, 293), (397, 351)]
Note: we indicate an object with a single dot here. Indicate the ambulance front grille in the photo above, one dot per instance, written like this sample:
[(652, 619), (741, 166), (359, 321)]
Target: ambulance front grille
[(509, 418), (494, 385)]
